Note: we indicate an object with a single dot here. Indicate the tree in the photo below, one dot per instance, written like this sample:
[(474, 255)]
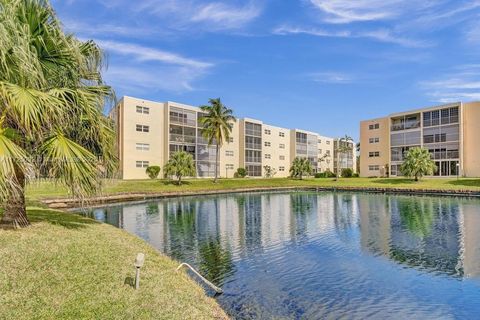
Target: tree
[(269, 171), (153, 172), (180, 165), (51, 108), (417, 163), (241, 173), (343, 147), (217, 126), (301, 167)]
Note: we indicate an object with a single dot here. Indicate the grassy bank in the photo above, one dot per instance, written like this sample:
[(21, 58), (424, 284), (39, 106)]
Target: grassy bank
[(42, 190), (68, 267)]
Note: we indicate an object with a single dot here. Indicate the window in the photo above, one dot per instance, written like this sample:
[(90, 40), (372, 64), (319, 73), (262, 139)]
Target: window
[(282, 157), (267, 144), (143, 110), (142, 146), (267, 131), (143, 128), (327, 152), (319, 151), (281, 134), (374, 168), (252, 156), (268, 156), (374, 154), (374, 140), (282, 146), (281, 169), (229, 153), (328, 142), (229, 166), (254, 170), (374, 126), (230, 140), (142, 164)]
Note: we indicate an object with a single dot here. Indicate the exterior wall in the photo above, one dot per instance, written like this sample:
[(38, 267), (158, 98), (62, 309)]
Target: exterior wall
[(173, 126), (347, 160), (382, 146), (325, 152), (448, 131), (230, 153), (276, 149), (129, 137), (471, 136)]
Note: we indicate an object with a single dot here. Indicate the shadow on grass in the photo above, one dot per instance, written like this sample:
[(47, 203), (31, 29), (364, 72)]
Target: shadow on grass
[(175, 183), (394, 181), (466, 183), (64, 219)]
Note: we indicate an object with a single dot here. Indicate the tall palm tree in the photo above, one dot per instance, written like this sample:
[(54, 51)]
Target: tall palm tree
[(51, 107), (343, 147), (217, 126)]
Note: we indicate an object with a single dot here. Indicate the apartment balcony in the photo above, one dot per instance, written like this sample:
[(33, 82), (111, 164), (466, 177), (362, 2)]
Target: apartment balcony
[(182, 139), (405, 126)]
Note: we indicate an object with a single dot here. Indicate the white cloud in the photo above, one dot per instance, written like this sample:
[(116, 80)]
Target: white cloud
[(141, 69), (462, 83), (225, 16), (331, 77), (141, 80), (203, 15), (382, 35), (346, 11), (89, 29), (143, 54)]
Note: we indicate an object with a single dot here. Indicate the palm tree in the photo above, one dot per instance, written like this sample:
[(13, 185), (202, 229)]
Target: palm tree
[(181, 164), (417, 163), (343, 147), (217, 126), (51, 107), (300, 167)]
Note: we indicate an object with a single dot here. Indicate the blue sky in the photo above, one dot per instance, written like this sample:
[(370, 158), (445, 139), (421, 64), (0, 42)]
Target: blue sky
[(320, 65)]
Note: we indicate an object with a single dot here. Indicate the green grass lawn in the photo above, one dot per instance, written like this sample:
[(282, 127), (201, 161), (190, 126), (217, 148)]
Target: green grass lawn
[(42, 190), (68, 267)]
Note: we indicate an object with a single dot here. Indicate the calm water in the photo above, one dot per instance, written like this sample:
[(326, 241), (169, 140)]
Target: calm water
[(306, 255)]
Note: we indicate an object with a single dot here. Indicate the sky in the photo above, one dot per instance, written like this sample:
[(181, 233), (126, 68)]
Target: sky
[(317, 65)]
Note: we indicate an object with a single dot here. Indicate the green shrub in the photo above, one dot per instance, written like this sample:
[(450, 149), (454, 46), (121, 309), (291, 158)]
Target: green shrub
[(241, 173), (329, 174), (153, 172), (319, 175), (347, 173), (355, 175)]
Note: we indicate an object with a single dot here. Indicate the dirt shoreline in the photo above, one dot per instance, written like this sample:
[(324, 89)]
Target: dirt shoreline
[(70, 203)]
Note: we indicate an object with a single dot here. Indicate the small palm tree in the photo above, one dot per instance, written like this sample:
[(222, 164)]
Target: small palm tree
[(51, 107), (180, 165), (417, 163), (217, 126), (300, 167), (343, 147)]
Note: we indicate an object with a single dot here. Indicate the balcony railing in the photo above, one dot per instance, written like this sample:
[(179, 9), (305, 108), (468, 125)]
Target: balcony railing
[(182, 138), (405, 126)]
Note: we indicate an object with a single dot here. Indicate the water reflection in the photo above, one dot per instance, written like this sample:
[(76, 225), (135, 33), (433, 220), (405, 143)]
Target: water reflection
[(321, 254)]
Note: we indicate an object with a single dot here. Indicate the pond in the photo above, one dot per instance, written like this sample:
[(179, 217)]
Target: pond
[(314, 255)]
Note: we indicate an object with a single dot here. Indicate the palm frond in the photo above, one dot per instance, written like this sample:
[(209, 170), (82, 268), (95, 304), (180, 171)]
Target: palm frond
[(71, 164)]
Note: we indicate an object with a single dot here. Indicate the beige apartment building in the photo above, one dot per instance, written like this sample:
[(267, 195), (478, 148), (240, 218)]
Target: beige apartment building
[(149, 132), (450, 132)]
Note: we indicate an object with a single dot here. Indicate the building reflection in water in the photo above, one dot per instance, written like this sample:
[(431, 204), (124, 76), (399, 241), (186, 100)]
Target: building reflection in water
[(439, 234)]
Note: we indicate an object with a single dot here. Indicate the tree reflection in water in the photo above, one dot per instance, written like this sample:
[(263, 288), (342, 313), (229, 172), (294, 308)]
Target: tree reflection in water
[(215, 262), (417, 216)]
